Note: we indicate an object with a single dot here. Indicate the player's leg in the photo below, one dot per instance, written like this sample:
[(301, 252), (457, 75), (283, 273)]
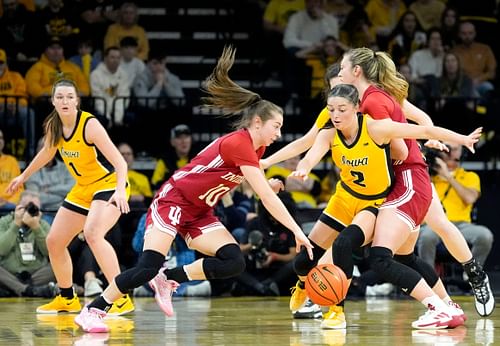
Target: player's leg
[(67, 224), (101, 218), (406, 256), (322, 236), (456, 244), (156, 245)]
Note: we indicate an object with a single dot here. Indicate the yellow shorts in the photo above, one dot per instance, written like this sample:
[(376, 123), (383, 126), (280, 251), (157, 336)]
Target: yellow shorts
[(81, 196), (342, 207)]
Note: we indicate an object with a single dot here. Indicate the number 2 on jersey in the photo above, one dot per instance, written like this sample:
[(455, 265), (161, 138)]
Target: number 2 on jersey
[(360, 178)]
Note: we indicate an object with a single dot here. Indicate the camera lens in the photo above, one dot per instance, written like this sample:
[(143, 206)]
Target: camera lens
[(32, 209)]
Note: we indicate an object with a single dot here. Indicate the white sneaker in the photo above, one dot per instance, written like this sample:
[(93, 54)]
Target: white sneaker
[(92, 287), (458, 314), (309, 310), (433, 319), (483, 296)]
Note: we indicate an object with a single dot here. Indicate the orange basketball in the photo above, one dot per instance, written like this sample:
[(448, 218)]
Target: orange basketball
[(326, 285)]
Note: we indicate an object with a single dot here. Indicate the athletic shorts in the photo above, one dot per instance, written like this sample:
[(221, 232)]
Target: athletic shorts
[(171, 213), (343, 207), (411, 194), (80, 197)]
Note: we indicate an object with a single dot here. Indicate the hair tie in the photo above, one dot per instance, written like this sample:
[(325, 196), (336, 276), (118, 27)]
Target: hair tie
[(374, 55)]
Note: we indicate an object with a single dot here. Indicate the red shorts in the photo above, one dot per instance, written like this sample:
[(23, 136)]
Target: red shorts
[(411, 195), (171, 213)]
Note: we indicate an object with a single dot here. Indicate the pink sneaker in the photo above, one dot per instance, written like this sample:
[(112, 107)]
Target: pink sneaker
[(164, 289), (91, 320), (433, 319)]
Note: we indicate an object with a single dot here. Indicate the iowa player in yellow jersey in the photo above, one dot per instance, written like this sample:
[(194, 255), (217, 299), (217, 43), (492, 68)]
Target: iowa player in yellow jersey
[(435, 218), (95, 202), (360, 148)]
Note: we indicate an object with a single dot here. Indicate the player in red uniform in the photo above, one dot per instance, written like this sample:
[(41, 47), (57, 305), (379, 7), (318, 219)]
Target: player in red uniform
[(184, 204), (406, 206)]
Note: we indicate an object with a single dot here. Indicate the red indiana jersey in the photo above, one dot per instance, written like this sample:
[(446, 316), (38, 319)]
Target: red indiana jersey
[(216, 169), (380, 105)]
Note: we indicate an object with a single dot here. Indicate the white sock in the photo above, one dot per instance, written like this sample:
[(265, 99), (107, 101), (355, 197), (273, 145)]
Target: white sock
[(435, 301), (447, 300)]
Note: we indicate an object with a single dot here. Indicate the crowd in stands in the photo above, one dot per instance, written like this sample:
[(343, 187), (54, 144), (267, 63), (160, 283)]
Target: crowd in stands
[(439, 46)]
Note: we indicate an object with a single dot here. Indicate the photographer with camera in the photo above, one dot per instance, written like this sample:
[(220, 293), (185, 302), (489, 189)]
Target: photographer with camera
[(269, 250), (24, 263), (458, 190)]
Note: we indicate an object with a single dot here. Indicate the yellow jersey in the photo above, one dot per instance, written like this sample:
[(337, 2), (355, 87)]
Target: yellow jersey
[(83, 160), (365, 167)]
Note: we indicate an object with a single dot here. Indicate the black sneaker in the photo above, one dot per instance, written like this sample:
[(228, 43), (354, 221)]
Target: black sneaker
[(483, 296), (309, 310)]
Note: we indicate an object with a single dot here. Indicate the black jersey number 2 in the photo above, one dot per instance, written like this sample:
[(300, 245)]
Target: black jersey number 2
[(74, 169), (360, 178)]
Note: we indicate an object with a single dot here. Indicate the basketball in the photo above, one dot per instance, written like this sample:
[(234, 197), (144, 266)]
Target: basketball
[(326, 285)]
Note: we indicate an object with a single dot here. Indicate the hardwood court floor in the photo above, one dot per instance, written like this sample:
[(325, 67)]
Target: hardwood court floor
[(242, 321)]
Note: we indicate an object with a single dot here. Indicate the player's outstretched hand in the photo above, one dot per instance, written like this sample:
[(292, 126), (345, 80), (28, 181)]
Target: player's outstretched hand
[(472, 139)]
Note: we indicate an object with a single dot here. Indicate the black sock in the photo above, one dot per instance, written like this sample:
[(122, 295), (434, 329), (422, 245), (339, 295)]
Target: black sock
[(177, 274), (67, 292), (302, 285), (474, 270), (100, 303)]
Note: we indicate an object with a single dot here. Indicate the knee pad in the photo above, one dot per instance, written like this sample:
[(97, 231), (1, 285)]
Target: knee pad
[(302, 264), (379, 258), (229, 262), (422, 267), (388, 269), (147, 267), (351, 237)]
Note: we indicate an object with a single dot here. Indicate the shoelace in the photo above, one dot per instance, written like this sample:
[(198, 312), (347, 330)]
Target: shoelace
[(456, 306), (308, 303), (430, 310), (169, 284), (481, 292)]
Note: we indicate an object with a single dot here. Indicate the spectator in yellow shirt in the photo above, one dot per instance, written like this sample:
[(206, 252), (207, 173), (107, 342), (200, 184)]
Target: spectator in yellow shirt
[(127, 26), (9, 169), (13, 110), (458, 190), (51, 67)]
